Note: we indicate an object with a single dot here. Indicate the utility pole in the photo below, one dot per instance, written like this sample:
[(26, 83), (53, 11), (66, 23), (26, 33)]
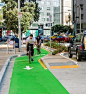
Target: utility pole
[(69, 16), (75, 4), (50, 17), (80, 18), (19, 24)]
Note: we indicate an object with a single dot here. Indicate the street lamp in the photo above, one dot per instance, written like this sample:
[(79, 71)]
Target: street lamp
[(80, 15)]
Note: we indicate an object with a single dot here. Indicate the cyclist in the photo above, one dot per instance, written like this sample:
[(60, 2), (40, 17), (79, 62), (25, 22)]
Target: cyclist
[(38, 42), (30, 42)]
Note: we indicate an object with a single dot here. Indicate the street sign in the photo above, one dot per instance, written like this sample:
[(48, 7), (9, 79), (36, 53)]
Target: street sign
[(2, 4), (20, 15), (50, 18), (48, 24)]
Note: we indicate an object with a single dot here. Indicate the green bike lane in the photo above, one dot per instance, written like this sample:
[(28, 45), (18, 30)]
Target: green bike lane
[(36, 80)]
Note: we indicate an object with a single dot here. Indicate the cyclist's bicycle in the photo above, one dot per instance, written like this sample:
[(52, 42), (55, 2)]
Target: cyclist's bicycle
[(38, 49), (29, 54)]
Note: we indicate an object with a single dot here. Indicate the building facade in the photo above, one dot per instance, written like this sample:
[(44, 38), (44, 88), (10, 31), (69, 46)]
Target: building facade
[(60, 10), (66, 12), (49, 15), (77, 5)]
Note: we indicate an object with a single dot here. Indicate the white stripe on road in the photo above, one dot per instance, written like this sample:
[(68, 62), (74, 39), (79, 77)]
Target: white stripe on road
[(62, 54)]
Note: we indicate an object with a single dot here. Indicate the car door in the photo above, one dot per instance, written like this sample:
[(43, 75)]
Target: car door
[(76, 44)]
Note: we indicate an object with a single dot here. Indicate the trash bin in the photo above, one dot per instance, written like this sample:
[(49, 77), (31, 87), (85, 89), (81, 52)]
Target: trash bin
[(16, 43)]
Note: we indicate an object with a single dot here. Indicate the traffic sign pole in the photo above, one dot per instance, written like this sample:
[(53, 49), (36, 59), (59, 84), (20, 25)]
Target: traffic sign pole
[(50, 17), (19, 22)]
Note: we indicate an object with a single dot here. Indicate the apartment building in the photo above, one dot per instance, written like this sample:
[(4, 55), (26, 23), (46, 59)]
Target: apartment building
[(60, 10), (76, 5)]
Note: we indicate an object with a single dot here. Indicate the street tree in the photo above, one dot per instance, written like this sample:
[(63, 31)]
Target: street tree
[(36, 11), (11, 16), (61, 29)]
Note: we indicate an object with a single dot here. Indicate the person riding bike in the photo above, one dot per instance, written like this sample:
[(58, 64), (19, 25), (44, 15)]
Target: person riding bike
[(30, 42), (38, 42)]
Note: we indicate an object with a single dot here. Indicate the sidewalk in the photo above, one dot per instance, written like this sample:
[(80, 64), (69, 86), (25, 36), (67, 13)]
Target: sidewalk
[(4, 56), (72, 78)]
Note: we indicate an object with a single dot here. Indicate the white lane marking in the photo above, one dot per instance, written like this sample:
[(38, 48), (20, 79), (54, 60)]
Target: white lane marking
[(43, 54), (39, 54), (28, 68), (62, 54)]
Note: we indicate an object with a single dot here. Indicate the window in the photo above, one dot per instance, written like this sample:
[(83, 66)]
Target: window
[(81, 5), (84, 26), (41, 8), (43, 19), (48, 8), (41, 13), (34, 24), (47, 19), (48, 14), (78, 26), (82, 16)]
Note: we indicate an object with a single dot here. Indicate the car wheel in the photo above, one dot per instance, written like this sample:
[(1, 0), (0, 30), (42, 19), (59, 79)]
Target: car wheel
[(69, 54), (78, 57)]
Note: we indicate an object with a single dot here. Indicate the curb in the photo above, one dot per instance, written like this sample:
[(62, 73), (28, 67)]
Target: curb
[(44, 62), (63, 55), (5, 66)]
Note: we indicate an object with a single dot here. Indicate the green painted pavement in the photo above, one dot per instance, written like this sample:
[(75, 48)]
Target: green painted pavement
[(34, 81)]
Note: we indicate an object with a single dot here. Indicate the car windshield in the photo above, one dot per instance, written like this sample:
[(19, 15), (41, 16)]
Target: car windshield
[(60, 36)]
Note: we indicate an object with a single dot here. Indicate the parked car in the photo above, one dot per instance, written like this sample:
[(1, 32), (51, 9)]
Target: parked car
[(71, 36), (67, 39), (59, 39), (47, 39), (4, 38), (54, 36), (0, 39), (78, 46), (62, 38), (44, 38), (11, 37)]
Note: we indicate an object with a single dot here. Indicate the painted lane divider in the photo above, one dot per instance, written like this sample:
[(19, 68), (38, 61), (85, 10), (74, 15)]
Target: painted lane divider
[(28, 68)]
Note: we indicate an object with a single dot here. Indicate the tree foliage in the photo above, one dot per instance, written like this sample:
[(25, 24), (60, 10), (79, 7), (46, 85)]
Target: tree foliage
[(37, 12), (61, 29), (11, 16), (27, 15)]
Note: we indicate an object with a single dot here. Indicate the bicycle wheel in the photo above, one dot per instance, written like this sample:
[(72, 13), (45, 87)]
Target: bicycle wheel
[(29, 58), (38, 50), (29, 54)]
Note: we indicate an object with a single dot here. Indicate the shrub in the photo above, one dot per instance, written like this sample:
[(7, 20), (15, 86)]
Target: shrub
[(57, 46), (66, 49), (54, 52), (59, 50)]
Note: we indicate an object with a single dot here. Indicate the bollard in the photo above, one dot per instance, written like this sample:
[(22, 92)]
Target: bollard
[(14, 47), (7, 47)]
